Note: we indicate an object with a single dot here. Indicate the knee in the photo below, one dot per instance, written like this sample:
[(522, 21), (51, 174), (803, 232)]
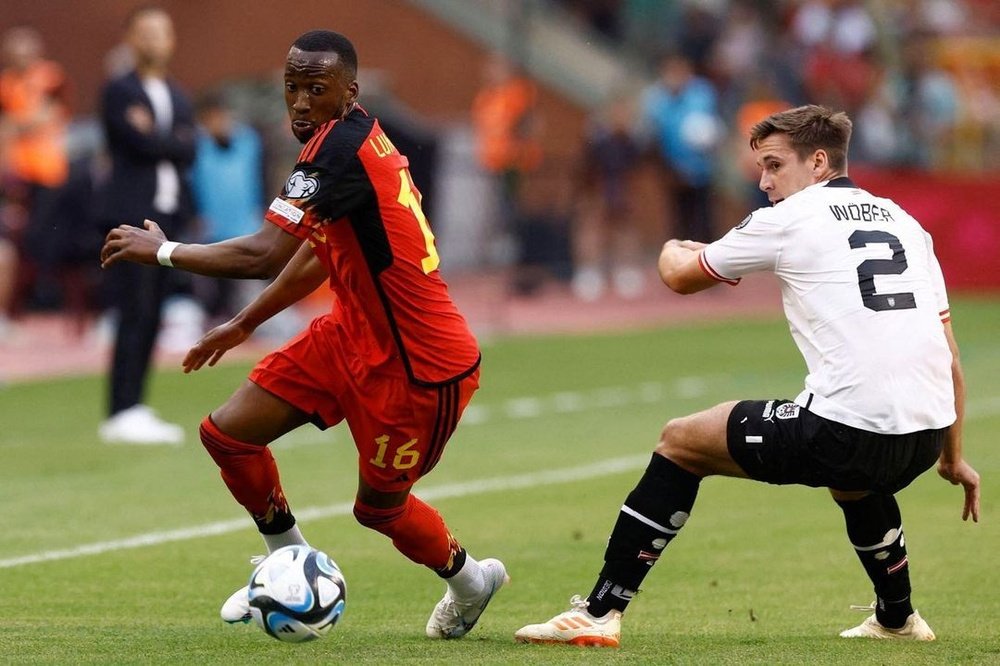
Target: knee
[(673, 438), (209, 434), (679, 444), (223, 447), (380, 520)]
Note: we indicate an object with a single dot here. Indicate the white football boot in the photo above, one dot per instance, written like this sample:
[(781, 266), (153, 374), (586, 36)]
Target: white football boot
[(454, 618), (575, 627), (915, 629), (237, 606)]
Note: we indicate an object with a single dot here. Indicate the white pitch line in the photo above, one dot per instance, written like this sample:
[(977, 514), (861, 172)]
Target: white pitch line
[(464, 489)]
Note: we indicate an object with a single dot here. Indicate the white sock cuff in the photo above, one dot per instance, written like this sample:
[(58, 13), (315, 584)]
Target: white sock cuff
[(290, 537), (468, 582)]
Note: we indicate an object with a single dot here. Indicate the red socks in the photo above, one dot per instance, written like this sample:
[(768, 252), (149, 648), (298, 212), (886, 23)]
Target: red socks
[(249, 471), (251, 475), (417, 531)]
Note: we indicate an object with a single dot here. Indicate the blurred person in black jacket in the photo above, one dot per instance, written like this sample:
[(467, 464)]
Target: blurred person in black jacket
[(149, 124)]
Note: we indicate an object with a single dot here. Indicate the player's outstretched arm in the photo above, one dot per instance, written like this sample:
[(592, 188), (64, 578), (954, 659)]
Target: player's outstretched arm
[(303, 274), (215, 344), (951, 465), (258, 255), (679, 268)]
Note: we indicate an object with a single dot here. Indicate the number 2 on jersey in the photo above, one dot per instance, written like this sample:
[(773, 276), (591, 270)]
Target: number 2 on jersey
[(868, 269), (409, 197)]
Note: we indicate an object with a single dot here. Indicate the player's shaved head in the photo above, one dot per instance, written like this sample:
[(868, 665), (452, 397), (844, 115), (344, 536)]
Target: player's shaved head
[(327, 41)]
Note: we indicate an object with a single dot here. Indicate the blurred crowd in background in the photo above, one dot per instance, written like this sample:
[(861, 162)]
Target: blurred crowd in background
[(919, 78)]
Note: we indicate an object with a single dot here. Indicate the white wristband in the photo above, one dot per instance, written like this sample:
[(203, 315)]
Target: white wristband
[(164, 252)]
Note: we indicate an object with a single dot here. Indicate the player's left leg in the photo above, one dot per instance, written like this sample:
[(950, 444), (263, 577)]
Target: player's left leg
[(654, 512), (393, 456), (419, 532)]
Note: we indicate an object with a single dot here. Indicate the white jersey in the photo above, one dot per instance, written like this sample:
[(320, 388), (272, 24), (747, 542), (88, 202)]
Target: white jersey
[(865, 300)]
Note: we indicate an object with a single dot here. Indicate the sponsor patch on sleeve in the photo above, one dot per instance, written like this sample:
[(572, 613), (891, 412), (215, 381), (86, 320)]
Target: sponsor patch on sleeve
[(745, 222), (286, 210)]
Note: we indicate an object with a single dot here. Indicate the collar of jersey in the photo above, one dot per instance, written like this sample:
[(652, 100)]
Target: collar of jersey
[(839, 181)]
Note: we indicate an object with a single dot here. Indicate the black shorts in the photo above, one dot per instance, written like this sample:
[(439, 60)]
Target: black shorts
[(780, 442)]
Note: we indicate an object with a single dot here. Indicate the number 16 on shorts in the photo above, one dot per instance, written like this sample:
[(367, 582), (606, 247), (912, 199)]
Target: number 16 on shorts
[(403, 458)]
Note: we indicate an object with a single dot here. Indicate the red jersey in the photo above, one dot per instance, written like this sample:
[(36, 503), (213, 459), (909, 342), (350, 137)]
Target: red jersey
[(351, 197)]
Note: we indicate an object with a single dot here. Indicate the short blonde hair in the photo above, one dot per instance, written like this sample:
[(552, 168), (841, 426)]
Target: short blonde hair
[(809, 128)]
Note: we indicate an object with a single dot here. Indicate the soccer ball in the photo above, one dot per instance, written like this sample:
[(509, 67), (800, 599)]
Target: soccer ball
[(297, 594)]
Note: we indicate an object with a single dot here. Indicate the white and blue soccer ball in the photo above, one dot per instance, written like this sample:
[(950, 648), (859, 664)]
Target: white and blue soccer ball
[(297, 594)]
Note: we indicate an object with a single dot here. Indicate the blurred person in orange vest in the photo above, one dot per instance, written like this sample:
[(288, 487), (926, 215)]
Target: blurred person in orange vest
[(503, 114), (33, 162), (33, 102)]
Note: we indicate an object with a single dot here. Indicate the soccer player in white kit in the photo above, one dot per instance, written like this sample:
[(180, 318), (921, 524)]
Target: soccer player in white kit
[(883, 401)]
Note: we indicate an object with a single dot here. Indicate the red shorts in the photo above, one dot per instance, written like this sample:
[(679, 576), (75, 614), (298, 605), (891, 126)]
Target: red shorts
[(399, 428)]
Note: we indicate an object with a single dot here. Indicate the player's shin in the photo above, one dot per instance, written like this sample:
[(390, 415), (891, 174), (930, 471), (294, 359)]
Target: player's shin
[(251, 475), (875, 529), (418, 532), (416, 529), (651, 517)]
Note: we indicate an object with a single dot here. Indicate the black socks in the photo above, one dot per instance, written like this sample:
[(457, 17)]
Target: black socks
[(656, 510), (652, 515), (875, 529)]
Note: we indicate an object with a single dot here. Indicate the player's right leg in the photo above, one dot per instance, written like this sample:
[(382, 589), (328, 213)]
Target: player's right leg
[(236, 436), (875, 526), (875, 529), (652, 515)]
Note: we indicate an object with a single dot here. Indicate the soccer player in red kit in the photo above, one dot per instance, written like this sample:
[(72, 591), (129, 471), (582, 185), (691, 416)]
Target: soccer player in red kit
[(394, 358)]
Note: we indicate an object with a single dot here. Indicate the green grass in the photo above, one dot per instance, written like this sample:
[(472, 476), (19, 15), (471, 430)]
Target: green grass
[(760, 575)]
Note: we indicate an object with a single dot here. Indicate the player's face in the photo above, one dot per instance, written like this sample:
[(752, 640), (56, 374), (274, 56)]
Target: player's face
[(782, 171), (317, 89)]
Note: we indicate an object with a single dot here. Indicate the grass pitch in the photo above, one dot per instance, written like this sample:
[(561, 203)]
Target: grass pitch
[(115, 554)]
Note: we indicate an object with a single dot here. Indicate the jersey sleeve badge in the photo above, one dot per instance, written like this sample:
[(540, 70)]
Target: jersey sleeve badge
[(300, 185), (286, 210)]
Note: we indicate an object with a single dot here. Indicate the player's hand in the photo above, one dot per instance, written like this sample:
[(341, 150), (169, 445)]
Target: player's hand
[(128, 243), (961, 472), (215, 343)]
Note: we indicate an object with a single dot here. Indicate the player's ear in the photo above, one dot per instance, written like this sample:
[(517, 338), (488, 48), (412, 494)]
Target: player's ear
[(820, 160)]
